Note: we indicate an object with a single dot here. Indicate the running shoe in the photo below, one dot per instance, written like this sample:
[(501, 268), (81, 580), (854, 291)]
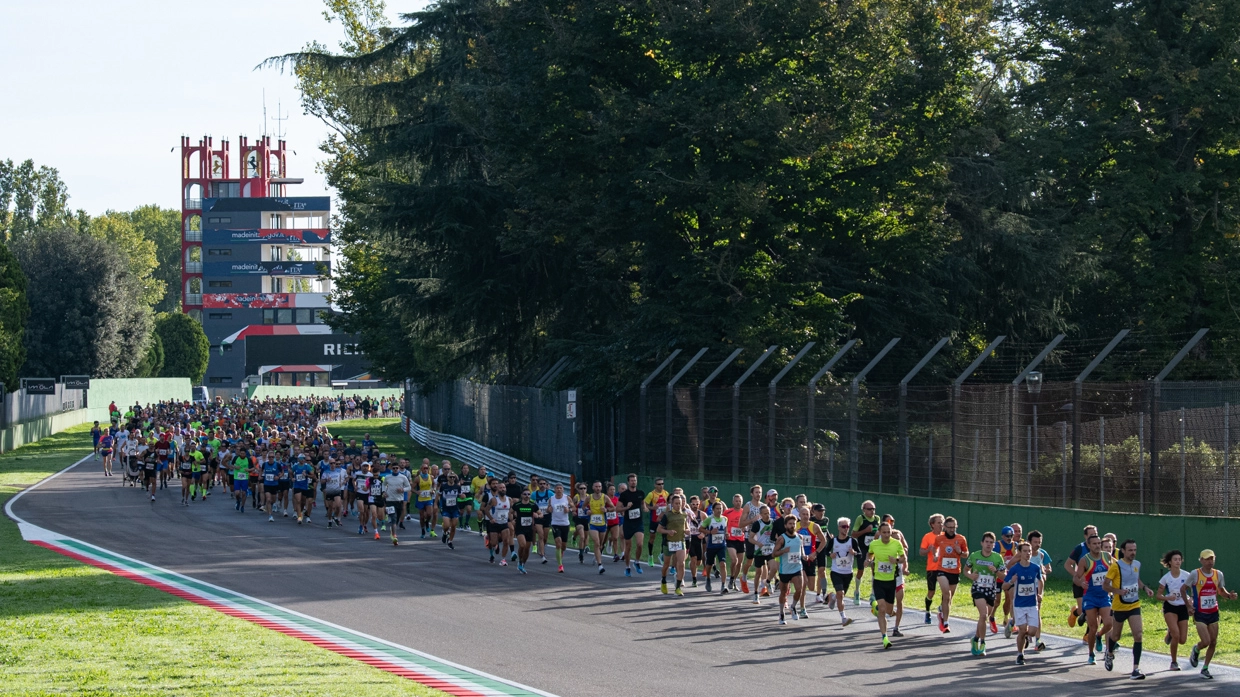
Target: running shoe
[(803, 614), (395, 542), (1205, 674), (896, 633), (376, 534), (1136, 674), (638, 567), (723, 592), (1167, 638), (1091, 660), (846, 621), (662, 586), (857, 597), (1175, 666), (1108, 661), (581, 556), (1072, 618), (1192, 657), (521, 568), (942, 624), (329, 522), (708, 588), (886, 643), (680, 591), (601, 569), (1040, 647), (615, 558), (544, 560), (451, 546), (765, 592), (503, 562), (514, 556), (308, 522), (781, 621), (994, 628), (1020, 659), (695, 581), (299, 520), (628, 573), (1098, 644), (562, 571), (756, 601), (744, 586), (982, 649), (973, 649), (434, 534), (271, 519), (1007, 628), (927, 617), (360, 530)]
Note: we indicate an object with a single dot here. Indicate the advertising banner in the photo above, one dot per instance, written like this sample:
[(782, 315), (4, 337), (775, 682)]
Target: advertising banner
[(76, 382), (266, 236), (261, 268), (39, 385)]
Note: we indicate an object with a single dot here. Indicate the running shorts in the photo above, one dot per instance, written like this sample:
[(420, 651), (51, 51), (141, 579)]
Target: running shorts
[(528, 532), (787, 578), (952, 579), (559, 532), (1122, 615), (422, 505), (696, 548), (377, 501), (581, 521), (631, 528), (759, 561), (285, 485), (716, 554), (1097, 602), (598, 528), (451, 512), (840, 582), (988, 596), (750, 551), (241, 485), (496, 528), (148, 475), (738, 545), (932, 579), (885, 591), (331, 495), (1077, 592), (823, 561), (186, 474), (301, 492), (1205, 618), (253, 481), (1180, 611), (1027, 616), (461, 503)]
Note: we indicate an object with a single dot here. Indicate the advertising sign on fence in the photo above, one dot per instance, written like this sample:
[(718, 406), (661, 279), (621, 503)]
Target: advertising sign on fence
[(76, 382), (39, 385)]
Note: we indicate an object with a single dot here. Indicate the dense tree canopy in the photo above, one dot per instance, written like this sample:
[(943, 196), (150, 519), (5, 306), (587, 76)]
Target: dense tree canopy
[(606, 180), (186, 350)]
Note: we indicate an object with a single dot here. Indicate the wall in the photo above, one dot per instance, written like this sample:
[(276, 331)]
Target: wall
[(265, 391), (1060, 528)]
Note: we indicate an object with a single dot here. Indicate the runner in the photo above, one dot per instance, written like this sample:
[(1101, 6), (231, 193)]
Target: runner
[(901, 572), (1091, 571), (632, 504), (1171, 592), (198, 471), (1123, 582), (424, 485), (950, 552), (377, 498), (1206, 586), (303, 490), (581, 520), (927, 550), (1007, 547), (185, 467), (542, 523), (284, 480), (750, 515), (362, 478), (240, 465), (844, 551), (450, 495), (560, 520), (788, 548), (715, 530), (884, 555), (864, 530), (822, 557), (656, 503), (478, 485), (523, 516), (695, 540), (1042, 558), (498, 510), (982, 568), (672, 525), (334, 482), (270, 475), (1070, 565), (613, 522), (1026, 581), (762, 540)]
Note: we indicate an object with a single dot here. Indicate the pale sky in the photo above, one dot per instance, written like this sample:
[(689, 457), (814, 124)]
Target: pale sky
[(102, 91)]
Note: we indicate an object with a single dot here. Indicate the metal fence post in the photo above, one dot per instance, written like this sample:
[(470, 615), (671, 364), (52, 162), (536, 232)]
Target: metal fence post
[(1141, 459), (977, 444), (902, 430), (1157, 397), (1102, 463), (880, 465), (1029, 465), (998, 464), (852, 417), (1046, 350), (930, 467), (671, 387), (702, 415), (956, 406), (1183, 467), (1063, 449), (1226, 459), (811, 440), (642, 408), (1077, 397), (831, 465), (736, 418), (770, 411)]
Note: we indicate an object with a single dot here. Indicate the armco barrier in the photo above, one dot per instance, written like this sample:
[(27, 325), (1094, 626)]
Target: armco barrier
[(265, 391), (1061, 528), (468, 451)]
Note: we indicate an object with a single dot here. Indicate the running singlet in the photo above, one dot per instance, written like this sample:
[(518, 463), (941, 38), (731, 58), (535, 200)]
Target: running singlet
[(1097, 572), (560, 506), (1127, 579), (333, 480), (841, 562), (598, 510), (270, 472), (676, 525), (1205, 596), (656, 501), (1025, 582), (479, 485), (425, 484), (542, 499), (499, 514), (301, 477), (790, 560), (524, 513), (451, 496), (733, 516), (1007, 551), (1175, 587), (949, 551), (868, 526), (986, 566), (884, 568), (762, 536), (241, 469), (809, 536), (928, 544), (716, 532), (361, 483)]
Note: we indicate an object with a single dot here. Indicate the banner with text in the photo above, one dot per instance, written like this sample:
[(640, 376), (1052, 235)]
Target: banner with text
[(262, 268), (266, 236)]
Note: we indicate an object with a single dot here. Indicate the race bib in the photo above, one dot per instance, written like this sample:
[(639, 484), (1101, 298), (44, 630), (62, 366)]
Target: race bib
[(424, 495), (1129, 593), (984, 583), (675, 546), (768, 550), (370, 499), (612, 515), (1209, 602), (841, 565), (734, 532), (868, 540), (301, 477), (1096, 579), (635, 514), (596, 519), (1026, 589), (659, 510), (716, 539), (950, 564), (794, 558), (449, 500), (885, 567), (501, 517), (390, 510), (269, 477)]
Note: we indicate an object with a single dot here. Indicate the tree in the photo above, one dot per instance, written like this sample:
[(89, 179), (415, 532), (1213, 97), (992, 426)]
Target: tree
[(33, 198), (152, 359), (87, 315), (186, 348), (119, 231), (14, 311), (162, 226)]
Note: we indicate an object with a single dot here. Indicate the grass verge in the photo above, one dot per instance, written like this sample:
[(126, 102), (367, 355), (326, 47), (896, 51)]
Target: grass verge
[(68, 628)]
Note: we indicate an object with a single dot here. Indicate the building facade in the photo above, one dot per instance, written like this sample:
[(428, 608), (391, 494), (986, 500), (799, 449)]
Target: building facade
[(257, 263)]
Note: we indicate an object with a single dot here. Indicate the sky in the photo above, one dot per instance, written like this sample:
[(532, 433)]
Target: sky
[(103, 91)]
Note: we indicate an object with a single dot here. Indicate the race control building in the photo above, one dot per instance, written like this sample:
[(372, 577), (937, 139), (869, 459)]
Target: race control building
[(256, 270)]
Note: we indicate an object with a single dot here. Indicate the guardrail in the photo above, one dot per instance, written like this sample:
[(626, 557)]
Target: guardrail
[(497, 463)]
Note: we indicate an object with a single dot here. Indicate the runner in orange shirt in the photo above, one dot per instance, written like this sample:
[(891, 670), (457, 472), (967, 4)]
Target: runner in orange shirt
[(928, 550), (950, 551)]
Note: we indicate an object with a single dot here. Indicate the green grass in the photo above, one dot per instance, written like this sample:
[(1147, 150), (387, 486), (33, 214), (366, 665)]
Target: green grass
[(68, 628), (387, 435)]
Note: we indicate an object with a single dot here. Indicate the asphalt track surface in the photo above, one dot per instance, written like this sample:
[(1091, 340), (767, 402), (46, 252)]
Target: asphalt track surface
[(572, 634)]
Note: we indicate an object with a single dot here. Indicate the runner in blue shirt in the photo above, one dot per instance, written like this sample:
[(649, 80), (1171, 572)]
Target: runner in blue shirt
[(1026, 578), (271, 473), (95, 434), (303, 489)]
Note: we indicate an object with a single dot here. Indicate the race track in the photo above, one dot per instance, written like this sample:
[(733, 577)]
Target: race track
[(572, 634)]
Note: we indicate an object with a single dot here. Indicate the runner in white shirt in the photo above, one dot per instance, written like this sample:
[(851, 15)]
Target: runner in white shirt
[(1175, 610), (561, 505)]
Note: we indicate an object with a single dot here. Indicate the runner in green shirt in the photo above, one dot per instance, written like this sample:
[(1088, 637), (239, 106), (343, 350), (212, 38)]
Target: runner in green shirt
[(241, 479), (885, 555), (982, 568)]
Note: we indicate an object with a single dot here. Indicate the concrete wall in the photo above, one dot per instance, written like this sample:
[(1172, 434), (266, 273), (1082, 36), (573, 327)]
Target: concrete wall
[(1061, 528)]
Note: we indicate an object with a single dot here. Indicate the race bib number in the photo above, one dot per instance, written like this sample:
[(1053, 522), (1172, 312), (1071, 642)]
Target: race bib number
[(734, 532), (269, 477), (370, 499), (950, 564), (424, 495), (526, 521), (868, 540), (675, 546), (449, 500), (841, 565), (612, 515), (716, 539), (1209, 602), (390, 510), (768, 550), (596, 519), (659, 510), (1096, 579), (1025, 590), (794, 558), (1129, 593), (635, 514), (985, 583), (885, 567), (501, 517), (301, 477)]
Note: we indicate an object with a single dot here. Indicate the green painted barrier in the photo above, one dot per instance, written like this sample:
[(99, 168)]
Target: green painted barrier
[(1061, 528), (265, 391)]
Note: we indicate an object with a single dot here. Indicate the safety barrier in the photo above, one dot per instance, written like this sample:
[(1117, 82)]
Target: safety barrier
[(497, 463)]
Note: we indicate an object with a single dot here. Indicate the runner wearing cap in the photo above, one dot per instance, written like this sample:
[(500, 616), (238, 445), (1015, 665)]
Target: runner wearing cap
[(926, 549), (1206, 587), (822, 558), (1007, 546)]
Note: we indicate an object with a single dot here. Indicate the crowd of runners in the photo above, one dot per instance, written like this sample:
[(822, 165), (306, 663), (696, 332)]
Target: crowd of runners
[(279, 458)]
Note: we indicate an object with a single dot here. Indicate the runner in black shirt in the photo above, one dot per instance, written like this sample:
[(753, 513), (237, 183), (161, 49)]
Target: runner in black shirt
[(632, 502)]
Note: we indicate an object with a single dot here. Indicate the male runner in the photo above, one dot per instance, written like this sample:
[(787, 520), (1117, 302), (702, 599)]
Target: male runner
[(927, 550), (632, 504), (884, 554), (561, 506), (788, 552), (656, 503), (844, 550), (950, 551), (864, 530), (498, 531), (425, 488), (396, 488), (450, 495), (541, 497), (1091, 570), (1025, 579), (1123, 582), (983, 568), (673, 526), (303, 490), (1206, 587), (761, 537), (749, 515), (524, 513), (1070, 565)]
